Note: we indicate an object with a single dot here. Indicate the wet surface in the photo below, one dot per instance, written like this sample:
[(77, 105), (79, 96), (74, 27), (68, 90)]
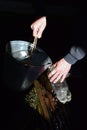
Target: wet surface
[(16, 114)]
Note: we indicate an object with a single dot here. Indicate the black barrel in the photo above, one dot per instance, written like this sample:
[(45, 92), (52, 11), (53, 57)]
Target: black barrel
[(20, 71)]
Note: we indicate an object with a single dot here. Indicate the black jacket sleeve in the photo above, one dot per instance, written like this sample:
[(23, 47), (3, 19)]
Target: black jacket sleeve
[(78, 49), (76, 53), (39, 7)]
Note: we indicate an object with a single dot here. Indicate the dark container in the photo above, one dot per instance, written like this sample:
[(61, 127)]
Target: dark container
[(19, 70)]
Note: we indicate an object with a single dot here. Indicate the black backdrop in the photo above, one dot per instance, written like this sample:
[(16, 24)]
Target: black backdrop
[(55, 41)]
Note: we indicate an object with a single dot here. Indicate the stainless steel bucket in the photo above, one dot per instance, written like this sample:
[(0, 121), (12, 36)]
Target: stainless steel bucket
[(19, 70)]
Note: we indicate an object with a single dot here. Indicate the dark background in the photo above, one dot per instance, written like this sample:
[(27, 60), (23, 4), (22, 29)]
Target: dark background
[(63, 17)]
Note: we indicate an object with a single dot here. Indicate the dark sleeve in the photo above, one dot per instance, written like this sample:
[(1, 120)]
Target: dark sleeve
[(39, 7), (78, 45), (76, 53)]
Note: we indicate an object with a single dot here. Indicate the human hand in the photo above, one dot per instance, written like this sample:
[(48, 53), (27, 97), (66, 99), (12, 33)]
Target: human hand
[(60, 71), (38, 27)]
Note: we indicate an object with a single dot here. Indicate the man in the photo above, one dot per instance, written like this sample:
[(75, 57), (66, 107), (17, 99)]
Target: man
[(63, 66), (77, 50)]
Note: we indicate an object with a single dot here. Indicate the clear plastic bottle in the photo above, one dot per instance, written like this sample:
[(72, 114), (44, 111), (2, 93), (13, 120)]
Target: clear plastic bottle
[(61, 90)]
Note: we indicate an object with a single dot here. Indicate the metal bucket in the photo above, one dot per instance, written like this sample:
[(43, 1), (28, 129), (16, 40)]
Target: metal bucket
[(19, 70)]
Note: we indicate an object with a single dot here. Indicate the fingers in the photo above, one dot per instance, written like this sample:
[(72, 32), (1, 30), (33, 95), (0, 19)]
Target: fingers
[(57, 77), (63, 78), (37, 31), (38, 27), (40, 31), (53, 77)]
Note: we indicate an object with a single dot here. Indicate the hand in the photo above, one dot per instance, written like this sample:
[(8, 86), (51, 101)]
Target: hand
[(60, 71), (38, 27)]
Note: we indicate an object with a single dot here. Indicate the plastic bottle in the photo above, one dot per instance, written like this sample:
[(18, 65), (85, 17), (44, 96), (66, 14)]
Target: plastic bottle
[(61, 90)]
